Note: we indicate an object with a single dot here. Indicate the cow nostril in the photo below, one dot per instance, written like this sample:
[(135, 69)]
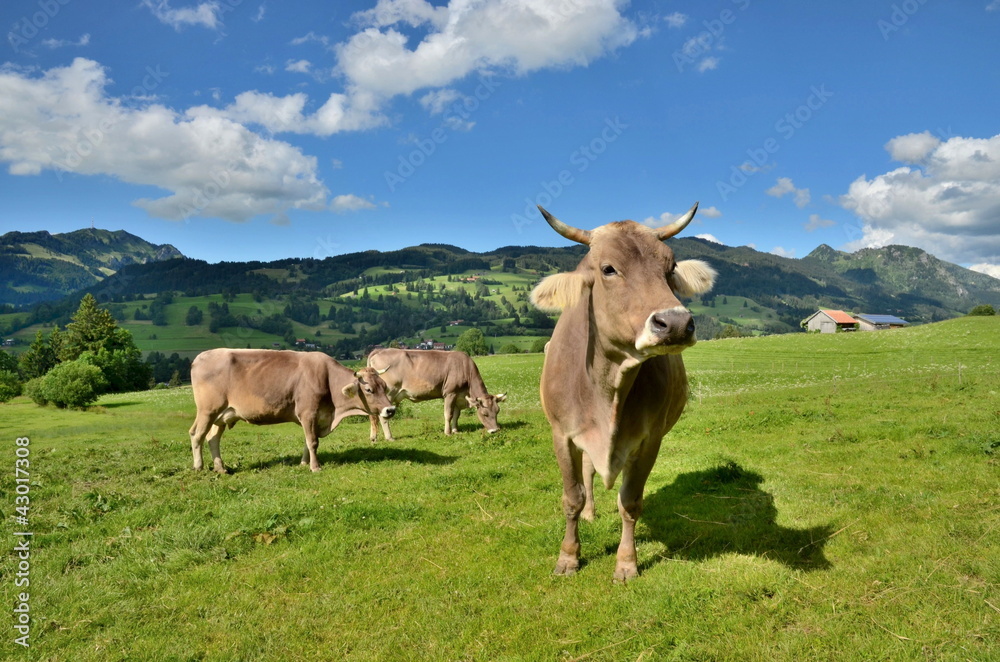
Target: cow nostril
[(660, 322), (690, 326), (389, 412)]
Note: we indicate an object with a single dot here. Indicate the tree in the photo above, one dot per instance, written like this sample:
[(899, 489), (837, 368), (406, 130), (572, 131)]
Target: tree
[(510, 348), (90, 330), (473, 343), (194, 316), (39, 358), (984, 310), (10, 385), (95, 333)]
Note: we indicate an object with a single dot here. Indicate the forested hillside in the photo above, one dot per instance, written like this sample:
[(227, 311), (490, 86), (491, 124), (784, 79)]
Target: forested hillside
[(433, 292)]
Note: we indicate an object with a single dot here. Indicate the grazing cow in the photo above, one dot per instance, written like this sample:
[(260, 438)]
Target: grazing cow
[(265, 386), (613, 382), (429, 374)]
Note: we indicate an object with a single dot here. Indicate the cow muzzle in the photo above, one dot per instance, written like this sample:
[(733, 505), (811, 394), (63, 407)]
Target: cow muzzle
[(666, 331), (388, 412)]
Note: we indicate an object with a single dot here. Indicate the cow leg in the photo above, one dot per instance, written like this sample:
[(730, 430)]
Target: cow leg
[(634, 478), (451, 412), (588, 487), (570, 465), (198, 432), (373, 433), (213, 446), (385, 429), (312, 444)]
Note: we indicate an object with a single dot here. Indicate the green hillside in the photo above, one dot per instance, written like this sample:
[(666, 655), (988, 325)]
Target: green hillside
[(39, 266), (347, 303)]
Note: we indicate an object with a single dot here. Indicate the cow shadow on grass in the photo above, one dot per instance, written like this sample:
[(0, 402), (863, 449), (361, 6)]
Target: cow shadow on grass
[(359, 455), (473, 425), (722, 510)]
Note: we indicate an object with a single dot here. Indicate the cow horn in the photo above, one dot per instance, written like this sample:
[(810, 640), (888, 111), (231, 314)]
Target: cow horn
[(568, 231), (383, 370), (668, 231)]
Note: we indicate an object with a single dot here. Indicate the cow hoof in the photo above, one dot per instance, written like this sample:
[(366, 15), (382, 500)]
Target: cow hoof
[(315, 469), (624, 573), (566, 566), (587, 514)]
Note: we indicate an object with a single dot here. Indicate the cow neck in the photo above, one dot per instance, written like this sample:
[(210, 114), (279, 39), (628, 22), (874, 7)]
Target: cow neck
[(477, 387), (612, 369)]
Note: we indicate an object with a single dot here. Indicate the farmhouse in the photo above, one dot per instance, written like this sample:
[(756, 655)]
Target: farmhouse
[(880, 322), (829, 321)]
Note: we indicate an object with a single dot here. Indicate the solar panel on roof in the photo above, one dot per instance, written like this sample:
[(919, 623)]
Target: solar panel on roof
[(883, 319)]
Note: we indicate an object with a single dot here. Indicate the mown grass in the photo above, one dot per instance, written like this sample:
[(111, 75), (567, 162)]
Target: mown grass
[(823, 498)]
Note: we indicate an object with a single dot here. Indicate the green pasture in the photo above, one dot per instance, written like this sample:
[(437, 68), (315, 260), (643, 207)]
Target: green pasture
[(824, 497)]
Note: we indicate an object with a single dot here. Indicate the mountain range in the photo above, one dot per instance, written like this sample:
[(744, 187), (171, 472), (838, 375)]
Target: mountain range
[(40, 266), (898, 280)]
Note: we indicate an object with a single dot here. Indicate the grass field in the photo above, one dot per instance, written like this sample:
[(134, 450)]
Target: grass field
[(824, 497)]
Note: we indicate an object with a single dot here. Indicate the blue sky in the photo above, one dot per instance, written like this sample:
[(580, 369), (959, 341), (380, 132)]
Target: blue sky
[(240, 130)]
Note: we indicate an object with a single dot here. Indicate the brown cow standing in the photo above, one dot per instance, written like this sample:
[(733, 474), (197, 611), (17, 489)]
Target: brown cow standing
[(429, 374), (613, 382), (263, 386)]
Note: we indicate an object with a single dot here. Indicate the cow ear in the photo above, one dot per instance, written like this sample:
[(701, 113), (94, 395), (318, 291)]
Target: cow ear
[(351, 390), (692, 277), (501, 397), (558, 291)]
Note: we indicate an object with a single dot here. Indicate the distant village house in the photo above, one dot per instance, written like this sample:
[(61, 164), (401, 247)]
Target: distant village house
[(831, 321)]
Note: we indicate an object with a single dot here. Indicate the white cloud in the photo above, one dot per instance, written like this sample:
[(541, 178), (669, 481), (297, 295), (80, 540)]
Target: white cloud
[(438, 101), (666, 218), (489, 37), (517, 36), (708, 237), (988, 269), (84, 40), (708, 64), (993, 6), (207, 166), (298, 66), (259, 16), (677, 19), (206, 14), (285, 114), (310, 37), (782, 252), (913, 147), (816, 222), (785, 186), (948, 206), (350, 202)]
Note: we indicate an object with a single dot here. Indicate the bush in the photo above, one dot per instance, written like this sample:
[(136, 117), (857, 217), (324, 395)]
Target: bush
[(510, 348), (538, 346), (33, 389), (75, 384), (984, 310), (10, 385)]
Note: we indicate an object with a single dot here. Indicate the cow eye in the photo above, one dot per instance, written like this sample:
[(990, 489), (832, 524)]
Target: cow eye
[(608, 270)]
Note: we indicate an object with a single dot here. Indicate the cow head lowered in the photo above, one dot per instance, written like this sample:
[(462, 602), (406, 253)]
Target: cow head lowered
[(487, 409), (634, 283), (369, 388)]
